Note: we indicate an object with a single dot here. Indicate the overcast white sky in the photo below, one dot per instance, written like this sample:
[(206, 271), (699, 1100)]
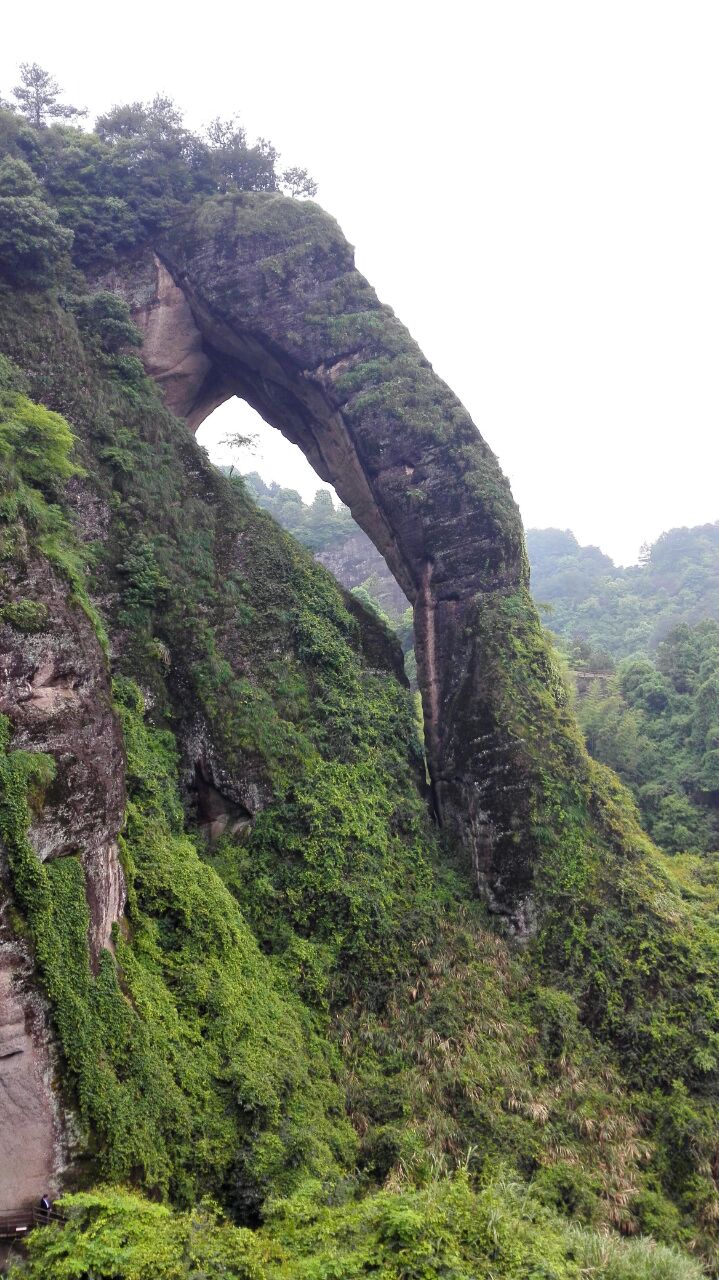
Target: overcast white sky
[(531, 184)]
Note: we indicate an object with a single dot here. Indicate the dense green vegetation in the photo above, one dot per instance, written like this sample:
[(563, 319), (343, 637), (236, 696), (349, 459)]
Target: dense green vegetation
[(32, 241), (323, 527), (623, 612), (251, 1099), (111, 187), (651, 718), (657, 724), (313, 1019), (496, 1232), (649, 636)]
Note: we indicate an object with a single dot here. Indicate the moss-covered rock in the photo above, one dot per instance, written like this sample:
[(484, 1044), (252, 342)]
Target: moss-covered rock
[(304, 986)]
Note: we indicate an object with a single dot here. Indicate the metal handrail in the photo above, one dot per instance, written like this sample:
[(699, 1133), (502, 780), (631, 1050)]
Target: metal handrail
[(15, 1223), (42, 1216)]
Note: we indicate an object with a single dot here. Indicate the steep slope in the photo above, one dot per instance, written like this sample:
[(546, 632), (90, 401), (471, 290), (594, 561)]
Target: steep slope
[(209, 614), (306, 999), (306, 759)]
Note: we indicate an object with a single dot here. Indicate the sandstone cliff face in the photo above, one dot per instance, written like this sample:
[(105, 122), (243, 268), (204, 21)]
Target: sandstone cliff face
[(355, 560), (33, 1144), (54, 690), (173, 350)]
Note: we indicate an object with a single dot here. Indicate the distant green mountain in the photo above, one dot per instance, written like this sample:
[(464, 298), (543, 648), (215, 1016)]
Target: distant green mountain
[(625, 611), (588, 599)]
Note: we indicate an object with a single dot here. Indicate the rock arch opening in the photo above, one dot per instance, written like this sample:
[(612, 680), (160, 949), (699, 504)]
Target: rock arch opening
[(268, 453), (282, 481)]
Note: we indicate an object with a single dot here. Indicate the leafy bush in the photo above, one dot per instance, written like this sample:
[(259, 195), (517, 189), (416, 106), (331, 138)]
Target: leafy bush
[(106, 318), (33, 244), (35, 443), (114, 1235), (447, 1232), (29, 616)]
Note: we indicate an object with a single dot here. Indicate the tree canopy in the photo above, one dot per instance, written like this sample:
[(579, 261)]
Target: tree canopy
[(33, 244), (318, 525), (656, 722), (125, 180), (625, 611)]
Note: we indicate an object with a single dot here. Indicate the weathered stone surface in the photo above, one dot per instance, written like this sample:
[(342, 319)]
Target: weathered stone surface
[(31, 1130), (288, 324), (173, 351), (224, 801), (355, 560), (54, 688)]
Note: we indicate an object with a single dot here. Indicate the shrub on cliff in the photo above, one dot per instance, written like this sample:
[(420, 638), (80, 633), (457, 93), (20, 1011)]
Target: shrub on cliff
[(33, 244), (35, 443), (105, 318)]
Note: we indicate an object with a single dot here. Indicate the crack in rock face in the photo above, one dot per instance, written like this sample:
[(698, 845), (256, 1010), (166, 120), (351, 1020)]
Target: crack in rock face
[(258, 297), (217, 815), (54, 689)]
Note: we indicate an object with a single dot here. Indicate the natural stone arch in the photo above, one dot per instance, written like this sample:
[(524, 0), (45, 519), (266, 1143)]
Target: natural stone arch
[(258, 296)]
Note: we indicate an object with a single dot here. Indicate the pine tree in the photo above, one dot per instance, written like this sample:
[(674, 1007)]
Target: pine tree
[(37, 96)]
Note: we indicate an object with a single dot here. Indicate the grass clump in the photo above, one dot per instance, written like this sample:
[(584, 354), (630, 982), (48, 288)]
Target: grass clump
[(29, 616)]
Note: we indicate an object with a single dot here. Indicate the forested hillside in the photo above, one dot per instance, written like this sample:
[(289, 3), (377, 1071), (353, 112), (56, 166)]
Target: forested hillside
[(261, 1014), (642, 644), (625, 611)]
